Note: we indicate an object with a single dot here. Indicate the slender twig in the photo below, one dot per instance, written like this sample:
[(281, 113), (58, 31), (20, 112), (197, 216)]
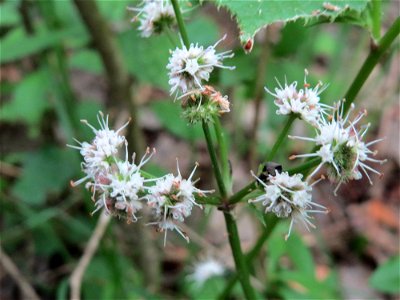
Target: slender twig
[(370, 63), (21, 281), (258, 97), (90, 249)]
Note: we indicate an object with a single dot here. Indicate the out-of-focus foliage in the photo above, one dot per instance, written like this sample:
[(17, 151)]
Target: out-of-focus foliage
[(387, 277), (53, 76), (296, 277)]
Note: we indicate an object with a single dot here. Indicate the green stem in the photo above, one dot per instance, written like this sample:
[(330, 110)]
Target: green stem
[(371, 61), (376, 18), (306, 167), (271, 222), (209, 200), (181, 24), (238, 196), (282, 136), (230, 222), (214, 161), (240, 260), (223, 154)]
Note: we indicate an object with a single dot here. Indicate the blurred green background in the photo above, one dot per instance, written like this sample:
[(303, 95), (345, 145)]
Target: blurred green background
[(52, 75)]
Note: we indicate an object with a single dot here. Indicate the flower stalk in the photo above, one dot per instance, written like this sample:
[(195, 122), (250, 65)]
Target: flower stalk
[(223, 154), (271, 222), (229, 220), (281, 138), (214, 161)]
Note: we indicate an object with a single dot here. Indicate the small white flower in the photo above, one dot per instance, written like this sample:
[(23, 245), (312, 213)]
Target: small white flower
[(122, 191), (342, 148), (188, 67), (154, 15), (206, 269), (289, 197), (305, 102), (99, 154), (172, 199)]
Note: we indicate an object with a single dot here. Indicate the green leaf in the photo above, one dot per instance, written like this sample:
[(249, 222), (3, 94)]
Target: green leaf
[(9, 14), (203, 30), (300, 255), (210, 289), (87, 60), (168, 114), (306, 287), (62, 289), (114, 12), (258, 212), (29, 101), (146, 58), (88, 110), (387, 277), (244, 63), (45, 171), (254, 15), (18, 44)]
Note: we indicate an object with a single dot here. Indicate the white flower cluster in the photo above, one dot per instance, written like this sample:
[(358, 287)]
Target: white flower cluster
[(172, 199), (153, 15), (188, 67), (288, 197), (341, 146), (305, 102), (119, 187), (206, 269)]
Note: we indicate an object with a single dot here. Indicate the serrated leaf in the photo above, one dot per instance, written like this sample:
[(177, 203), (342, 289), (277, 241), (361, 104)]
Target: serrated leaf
[(29, 101), (254, 15), (45, 171), (387, 277)]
